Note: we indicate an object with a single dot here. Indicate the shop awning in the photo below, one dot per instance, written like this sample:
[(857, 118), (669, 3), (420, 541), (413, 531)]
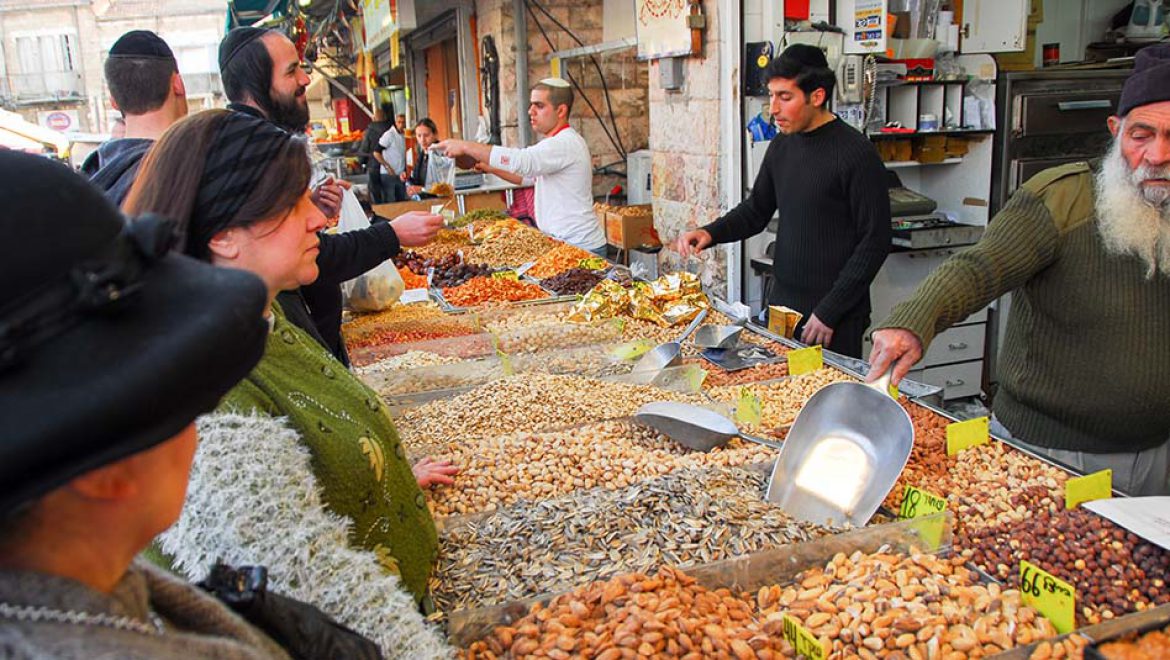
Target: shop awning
[(247, 12), (17, 133)]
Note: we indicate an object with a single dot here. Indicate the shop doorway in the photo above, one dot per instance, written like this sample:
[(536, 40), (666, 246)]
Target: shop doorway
[(444, 97)]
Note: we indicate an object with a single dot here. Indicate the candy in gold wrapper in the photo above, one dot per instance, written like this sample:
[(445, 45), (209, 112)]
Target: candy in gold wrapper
[(669, 300), (606, 300)]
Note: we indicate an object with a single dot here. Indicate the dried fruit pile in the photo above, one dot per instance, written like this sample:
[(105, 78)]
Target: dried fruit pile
[(479, 290)]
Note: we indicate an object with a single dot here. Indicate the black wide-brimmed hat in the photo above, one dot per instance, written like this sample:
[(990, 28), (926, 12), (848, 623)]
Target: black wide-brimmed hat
[(109, 343)]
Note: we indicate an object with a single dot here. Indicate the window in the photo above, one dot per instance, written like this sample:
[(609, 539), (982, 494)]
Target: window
[(48, 65)]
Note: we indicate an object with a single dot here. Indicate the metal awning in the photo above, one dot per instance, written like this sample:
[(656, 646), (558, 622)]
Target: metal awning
[(17, 133)]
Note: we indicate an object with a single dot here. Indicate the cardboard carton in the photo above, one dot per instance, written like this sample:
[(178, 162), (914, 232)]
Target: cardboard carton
[(631, 226)]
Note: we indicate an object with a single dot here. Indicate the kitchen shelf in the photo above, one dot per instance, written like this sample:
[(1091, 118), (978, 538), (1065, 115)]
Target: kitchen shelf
[(958, 133), (896, 164)]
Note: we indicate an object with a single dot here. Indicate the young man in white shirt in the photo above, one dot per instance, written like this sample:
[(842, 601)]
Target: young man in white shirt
[(559, 165), (392, 157)]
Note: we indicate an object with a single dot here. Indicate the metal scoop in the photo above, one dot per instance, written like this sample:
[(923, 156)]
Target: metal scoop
[(717, 336), (843, 454), (694, 427), (663, 356)]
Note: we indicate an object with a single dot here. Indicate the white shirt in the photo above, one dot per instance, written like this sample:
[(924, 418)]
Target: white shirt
[(563, 171), (393, 150)]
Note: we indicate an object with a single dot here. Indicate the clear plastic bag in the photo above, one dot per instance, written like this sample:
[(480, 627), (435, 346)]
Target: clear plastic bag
[(378, 288)]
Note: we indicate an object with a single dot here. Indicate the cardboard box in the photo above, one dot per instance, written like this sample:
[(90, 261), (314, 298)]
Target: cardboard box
[(631, 226)]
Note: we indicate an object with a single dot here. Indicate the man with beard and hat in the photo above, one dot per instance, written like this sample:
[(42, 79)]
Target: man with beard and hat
[(1085, 250), (112, 345), (262, 76), (145, 86)]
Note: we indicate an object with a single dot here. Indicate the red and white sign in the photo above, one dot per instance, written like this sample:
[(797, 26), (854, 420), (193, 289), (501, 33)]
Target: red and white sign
[(59, 120)]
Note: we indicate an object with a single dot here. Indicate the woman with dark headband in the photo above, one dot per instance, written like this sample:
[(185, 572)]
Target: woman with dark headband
[(301, 468), (111, 349)]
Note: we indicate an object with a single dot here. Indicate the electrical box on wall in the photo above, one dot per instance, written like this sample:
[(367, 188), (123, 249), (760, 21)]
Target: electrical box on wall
[(757, 55), (670, 73)]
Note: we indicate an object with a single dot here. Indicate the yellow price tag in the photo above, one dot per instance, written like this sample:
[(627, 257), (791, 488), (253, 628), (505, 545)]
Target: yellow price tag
[(631, 350), (1096, 486), (918, 503), (505, 275), (593, 263), (805, 360), (506, 363), (802, 641), (749, 410), (694, 375), (893, 392), (1049, 595), (971, 433)]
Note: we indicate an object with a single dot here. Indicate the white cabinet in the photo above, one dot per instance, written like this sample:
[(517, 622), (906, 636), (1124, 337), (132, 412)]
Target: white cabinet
[(994, 26)]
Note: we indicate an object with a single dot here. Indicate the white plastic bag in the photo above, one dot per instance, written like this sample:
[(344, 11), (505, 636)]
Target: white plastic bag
[(375, 289)]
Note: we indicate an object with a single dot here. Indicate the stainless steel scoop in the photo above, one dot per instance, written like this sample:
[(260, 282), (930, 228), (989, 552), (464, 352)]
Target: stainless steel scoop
[(694, 427), (663, 356)]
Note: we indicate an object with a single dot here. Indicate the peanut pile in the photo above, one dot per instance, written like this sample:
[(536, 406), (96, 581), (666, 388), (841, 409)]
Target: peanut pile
[(782, 400), (503, 470), (861, 606), (527, 403), (717, 377), (992, 484), (408, 360)]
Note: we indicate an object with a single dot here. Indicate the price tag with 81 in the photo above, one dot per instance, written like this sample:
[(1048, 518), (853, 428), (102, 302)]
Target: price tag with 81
[(805, 360)]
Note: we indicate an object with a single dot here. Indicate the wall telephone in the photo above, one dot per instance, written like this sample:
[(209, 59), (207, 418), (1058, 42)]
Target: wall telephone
[(856, 75)]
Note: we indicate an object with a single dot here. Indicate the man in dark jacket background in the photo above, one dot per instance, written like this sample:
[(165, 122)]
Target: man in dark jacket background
[(146, 87)]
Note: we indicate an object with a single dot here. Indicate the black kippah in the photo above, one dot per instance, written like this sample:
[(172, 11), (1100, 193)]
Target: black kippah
[(141, 44), (235, 41), (1150, 80), (806, 55)]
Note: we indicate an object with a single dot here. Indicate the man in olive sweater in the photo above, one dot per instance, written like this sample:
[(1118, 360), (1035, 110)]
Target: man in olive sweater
[(829, 185), (1086, 250)]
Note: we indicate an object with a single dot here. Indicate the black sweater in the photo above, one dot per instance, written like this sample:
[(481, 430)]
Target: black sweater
[(830, 188)]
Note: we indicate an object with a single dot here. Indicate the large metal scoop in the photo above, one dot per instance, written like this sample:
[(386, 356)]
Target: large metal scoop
[(843, 454), (693, 427), (663, 356)]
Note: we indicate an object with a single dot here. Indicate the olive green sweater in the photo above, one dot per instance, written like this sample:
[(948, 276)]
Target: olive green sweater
[(1086, 359), (357, 457)]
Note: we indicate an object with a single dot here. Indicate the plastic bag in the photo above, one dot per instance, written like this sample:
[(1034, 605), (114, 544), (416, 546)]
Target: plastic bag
[(440, 169), (378, 288)]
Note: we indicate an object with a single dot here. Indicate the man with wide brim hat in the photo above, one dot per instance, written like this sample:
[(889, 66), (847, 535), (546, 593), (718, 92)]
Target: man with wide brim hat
[(109, 349)]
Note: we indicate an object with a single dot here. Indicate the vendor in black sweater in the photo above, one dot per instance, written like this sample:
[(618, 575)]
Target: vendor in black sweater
[(829, 186)]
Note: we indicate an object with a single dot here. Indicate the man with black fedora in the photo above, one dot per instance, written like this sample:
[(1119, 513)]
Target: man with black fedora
[(262, 77), (828, 185), (145, 86), (1085, 251), (110, 347)]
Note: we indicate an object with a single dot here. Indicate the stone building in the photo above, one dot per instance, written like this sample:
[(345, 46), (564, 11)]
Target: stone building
[(53, 53)]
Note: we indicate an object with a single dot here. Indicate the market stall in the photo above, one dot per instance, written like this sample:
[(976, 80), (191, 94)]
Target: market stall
[(574, 530)]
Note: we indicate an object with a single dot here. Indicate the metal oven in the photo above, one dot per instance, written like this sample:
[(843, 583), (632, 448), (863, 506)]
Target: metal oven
[(1049, 118)]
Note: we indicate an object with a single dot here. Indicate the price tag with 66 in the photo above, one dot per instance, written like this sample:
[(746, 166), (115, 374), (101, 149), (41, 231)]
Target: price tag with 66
[(1049, 595)]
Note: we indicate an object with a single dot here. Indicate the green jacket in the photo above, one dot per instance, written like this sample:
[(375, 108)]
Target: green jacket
[(357, 457), (1086, 358)]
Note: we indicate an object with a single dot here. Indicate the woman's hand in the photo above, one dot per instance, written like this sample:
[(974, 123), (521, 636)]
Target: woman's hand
[(429, 472)]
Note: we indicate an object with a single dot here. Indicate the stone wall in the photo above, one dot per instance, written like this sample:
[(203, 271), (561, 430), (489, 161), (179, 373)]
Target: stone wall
[(684, 137), (626, 78)]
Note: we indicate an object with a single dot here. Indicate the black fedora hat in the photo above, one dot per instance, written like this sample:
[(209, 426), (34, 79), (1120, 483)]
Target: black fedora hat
[(109, 344)]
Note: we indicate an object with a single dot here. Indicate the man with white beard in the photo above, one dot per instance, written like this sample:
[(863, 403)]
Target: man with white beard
[(1085, 250)]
